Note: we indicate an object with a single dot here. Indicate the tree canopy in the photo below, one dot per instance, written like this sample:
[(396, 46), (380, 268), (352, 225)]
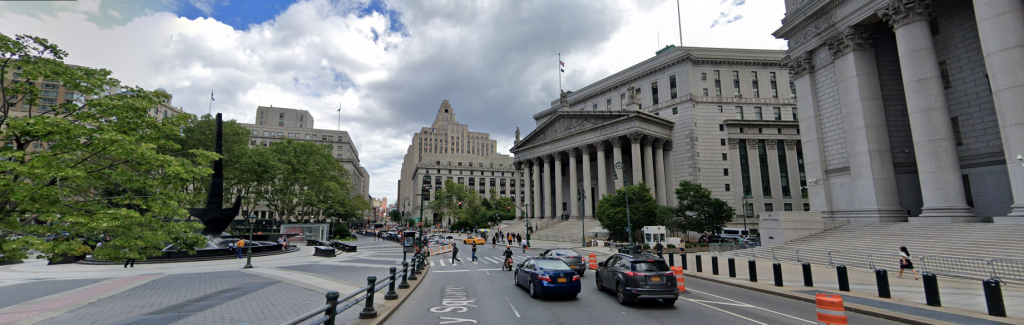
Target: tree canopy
[(698, 211), (643, 210), (94, 166)]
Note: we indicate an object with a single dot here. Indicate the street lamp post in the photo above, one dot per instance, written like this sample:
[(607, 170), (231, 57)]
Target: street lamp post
[(745, 213), (629, 224), (581, 196), (248, 254), (426, 185)]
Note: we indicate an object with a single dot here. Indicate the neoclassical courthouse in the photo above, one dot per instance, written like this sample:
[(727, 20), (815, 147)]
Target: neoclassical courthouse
[(910, 109)]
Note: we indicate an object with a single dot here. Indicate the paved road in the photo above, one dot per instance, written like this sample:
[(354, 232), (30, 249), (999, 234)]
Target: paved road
[(480, 293)]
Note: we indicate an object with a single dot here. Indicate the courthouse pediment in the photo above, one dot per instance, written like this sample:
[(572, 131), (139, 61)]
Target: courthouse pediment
[(567, 123)]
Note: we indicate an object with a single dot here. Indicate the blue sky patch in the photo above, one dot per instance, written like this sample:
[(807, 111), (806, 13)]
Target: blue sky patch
[(238, 14)]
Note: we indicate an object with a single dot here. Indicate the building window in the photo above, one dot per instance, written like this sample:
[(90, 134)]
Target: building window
[(757, 93), (719, 109), (263, 143), (757, 113), (622, 101), (595, 107), (768, 207), (675, 110), (725, 156), (777, 112), (792, 87), (787, 206), (703, 76), (608, 104), (254, 133), (654, 92), (783, 169), (762, 157), (252, 142), (266, 133), (49, 93), (639, 98), (331, 138), (672, 86), (956, 131), (51, 86), (775, 86), (728, 188), (739, 112), (261, 118), (340, 148), (807, 207), (339, 156), (745, 168), (736, 84), (723, 142), (718, 85), (307, 137), (721, 127), (944, 71), (705, 92), (726, 171), (794, 114), (280, 120)]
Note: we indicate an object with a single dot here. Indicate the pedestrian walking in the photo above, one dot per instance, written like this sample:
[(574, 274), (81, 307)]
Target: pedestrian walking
[(129, 261), (494, 241), (508, 239), (658, 247), (240, 245), (455, 253), (519, 238), (906, 263), (474, 254), (523, 244)]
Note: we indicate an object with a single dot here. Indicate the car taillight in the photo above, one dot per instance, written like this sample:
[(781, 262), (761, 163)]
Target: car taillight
[(544, 278), (670, 273), (631, 273), (575, 278)]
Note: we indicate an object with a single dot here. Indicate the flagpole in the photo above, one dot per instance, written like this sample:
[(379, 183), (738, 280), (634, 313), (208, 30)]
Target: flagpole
[(339, 117), (559, 73), (680, 20), (210, 109)]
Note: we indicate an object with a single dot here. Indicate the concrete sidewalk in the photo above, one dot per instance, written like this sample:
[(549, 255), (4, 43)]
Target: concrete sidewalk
[(960, 297)]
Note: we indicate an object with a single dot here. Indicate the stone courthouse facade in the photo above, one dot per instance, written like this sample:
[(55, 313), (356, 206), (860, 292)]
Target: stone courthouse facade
[(910, 109)]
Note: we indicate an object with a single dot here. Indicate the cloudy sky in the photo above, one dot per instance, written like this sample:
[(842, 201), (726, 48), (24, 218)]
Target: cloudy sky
[(386, 63)]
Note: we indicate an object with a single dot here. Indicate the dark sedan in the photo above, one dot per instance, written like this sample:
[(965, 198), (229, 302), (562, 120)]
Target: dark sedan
[(547, 276), (571, 258)]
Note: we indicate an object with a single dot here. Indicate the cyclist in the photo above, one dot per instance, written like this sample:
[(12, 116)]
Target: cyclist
[(508, 257)]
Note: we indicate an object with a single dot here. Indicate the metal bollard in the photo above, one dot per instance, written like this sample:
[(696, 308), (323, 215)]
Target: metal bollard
[(844, 278), (882, 278), (994, 297), (808, 279), (682, 256), (931, 289), (412, 275), (331, 313), (700, 268), (777, 270), (671, 260), (732, 267), (714, 265), (368, 311), (405, 276), (391, 294), (752, 266)]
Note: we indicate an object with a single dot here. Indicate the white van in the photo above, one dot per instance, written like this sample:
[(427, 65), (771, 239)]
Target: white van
[(734, 233)]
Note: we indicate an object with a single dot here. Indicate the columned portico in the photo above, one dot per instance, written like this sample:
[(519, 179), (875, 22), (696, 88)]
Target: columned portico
[(547, 200), (587, 208), (574, 210), (1000, 23), (659, 172), (938, 164), (602, 179), (867, 137), (558, 185), (537, 188)]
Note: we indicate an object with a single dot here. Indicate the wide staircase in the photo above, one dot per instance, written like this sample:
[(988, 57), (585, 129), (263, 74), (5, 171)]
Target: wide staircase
[(564, 231), (969, 240)]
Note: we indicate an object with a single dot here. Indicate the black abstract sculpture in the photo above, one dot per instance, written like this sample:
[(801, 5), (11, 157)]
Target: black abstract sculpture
[(214, 216)]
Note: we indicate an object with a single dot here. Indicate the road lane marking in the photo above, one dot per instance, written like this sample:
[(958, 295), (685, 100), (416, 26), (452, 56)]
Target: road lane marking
[(724, 311), (721, 303), (513, 307), (752, 306)]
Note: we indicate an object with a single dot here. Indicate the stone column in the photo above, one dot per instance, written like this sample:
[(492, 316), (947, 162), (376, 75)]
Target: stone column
[(635, 151), (771, 147), (602, 170), (1000, 23), (810, 132), (574, 209), (938, 165), (617, 159), (535, 207), (754, 162), (647, 142), (558, 184), (588, 210), (659, 171), (873, 177), (515, 190), (548, 212), (670, 183), (737, 176), (794, 173)]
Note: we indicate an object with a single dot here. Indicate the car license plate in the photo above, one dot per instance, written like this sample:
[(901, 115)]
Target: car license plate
[(655, 278), (561, 280), (572, 266)]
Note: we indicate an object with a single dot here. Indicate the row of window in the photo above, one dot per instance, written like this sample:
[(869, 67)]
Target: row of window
[(757, 115), (298, 136), (754, 84)]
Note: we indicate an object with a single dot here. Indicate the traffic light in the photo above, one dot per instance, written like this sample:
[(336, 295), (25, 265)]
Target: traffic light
[(509, 209), (460, 204)]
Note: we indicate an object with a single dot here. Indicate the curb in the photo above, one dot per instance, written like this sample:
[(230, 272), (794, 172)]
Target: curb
[(383, 317), (851, 307)]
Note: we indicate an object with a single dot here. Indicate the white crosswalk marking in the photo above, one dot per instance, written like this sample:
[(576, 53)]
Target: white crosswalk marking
[(441, 261)]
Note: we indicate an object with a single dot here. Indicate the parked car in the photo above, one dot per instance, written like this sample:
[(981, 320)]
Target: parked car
[(547, 276), (474, 240), (712, 239), (571, 258), (642, 277)]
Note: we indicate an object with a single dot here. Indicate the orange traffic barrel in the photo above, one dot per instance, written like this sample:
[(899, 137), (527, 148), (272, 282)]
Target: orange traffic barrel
[(593, 261), (680, 281), (830, 309)]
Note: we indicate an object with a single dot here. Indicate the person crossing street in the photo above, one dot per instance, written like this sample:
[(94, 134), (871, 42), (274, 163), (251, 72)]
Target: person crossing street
[(474, 254), (455, 253)]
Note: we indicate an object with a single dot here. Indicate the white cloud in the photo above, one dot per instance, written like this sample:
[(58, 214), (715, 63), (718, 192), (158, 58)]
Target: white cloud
[(495, 61)]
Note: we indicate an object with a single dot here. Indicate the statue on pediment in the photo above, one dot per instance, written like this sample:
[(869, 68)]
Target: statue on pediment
[(632, 92), (563, 98), (517, 135)]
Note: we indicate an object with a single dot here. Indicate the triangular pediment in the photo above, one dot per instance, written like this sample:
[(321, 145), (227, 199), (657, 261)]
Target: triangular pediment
[(565, 123)]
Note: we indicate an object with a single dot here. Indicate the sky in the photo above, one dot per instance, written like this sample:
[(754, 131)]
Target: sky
[(387, 64)]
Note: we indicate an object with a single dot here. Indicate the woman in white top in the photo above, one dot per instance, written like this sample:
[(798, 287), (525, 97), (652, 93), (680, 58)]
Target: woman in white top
[(906, 263)]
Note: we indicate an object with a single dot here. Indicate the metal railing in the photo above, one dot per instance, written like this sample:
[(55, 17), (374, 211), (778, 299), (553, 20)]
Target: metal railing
[(963, 267), (336, 304)]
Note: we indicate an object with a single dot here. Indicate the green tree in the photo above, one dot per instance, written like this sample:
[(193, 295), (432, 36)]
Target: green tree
[(643, 210), (310, 184), (395, 216), (198, 135), (89, 167), (450, 210), (698, 211)]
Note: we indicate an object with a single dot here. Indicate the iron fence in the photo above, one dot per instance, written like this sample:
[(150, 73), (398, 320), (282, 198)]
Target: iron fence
[(1012, 270)]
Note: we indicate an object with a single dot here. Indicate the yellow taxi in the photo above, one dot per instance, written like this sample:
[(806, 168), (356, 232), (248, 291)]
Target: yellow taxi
[(474, 240)]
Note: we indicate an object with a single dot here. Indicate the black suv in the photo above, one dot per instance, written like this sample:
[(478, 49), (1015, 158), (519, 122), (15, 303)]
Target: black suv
[(639, 277)]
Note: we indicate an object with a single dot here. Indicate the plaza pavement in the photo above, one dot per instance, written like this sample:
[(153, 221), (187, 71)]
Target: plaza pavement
[(279, 288)]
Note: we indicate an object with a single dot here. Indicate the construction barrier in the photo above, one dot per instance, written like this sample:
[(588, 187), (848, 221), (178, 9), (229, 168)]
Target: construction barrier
[(593, 261), (680, 281), (830, 309)]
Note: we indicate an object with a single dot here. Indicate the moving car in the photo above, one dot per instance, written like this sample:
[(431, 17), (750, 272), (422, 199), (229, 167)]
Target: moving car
[(547, 276), (634, 278), (571, 258), (474, 240)]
